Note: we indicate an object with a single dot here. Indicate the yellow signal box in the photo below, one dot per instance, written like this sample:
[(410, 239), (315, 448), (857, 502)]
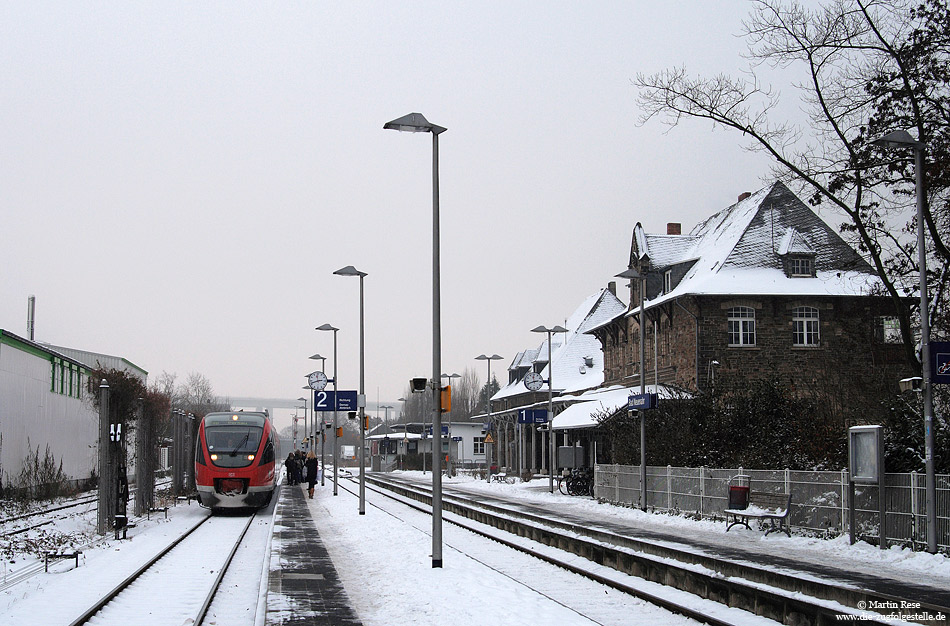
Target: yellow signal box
[(446, 399)]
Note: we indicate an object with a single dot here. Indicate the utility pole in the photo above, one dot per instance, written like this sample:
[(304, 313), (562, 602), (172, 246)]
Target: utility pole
[(105, 461)]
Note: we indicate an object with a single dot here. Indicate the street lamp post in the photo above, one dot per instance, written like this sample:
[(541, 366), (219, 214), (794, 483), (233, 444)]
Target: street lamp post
[(349, 270), (305, 430), (632, 274), (336, 443), (405, 432), (489, 359), (417, 123), (313, 421), (550, 381), (901, 139), (449, 431)]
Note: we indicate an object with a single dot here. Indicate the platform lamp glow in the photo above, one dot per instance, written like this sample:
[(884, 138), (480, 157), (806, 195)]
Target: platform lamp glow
[(901, 140), (349, 270), (336, 443), (551, 460), (489, 359), (633, 274), (417, 123)]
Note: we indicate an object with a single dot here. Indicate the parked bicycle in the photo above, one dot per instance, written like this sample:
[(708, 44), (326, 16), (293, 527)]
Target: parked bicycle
[(580, 482)]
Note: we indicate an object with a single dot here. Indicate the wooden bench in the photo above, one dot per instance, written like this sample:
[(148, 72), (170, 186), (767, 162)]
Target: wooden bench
[(157, 509), (65, 554), (763, 505)]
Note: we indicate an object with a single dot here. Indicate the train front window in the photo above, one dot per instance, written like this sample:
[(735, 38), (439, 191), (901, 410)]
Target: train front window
[(233, 445)]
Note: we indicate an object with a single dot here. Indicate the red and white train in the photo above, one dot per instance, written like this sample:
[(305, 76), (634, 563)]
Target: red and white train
[(236, 460)]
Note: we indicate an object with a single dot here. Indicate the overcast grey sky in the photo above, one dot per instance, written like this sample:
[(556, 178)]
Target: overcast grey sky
[(180, 180)]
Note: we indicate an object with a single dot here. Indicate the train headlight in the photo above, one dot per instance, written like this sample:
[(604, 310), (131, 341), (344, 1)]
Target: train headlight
[(214, 457), (250, 457)]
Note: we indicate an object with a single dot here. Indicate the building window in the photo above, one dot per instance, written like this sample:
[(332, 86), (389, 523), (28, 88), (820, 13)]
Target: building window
[(801, 266), (887, 330), (805, 326), (667, 281), (741, 326), (479, 445)]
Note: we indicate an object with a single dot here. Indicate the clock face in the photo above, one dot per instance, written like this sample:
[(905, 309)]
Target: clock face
[(317, 380), (533, 381)]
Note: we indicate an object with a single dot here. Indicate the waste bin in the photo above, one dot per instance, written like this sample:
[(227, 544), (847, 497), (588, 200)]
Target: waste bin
[(738, 492)]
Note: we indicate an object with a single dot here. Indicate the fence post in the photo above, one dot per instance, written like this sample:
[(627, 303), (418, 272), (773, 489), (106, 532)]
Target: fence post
[(669, 487), (844, 498), (915, 520), (702, 492), (788, 480)]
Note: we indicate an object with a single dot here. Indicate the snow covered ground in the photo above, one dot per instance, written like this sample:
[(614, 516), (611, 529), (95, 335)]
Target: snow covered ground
[(385, 563)]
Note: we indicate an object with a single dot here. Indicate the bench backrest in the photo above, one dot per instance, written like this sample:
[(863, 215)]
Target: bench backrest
[(768, 500)]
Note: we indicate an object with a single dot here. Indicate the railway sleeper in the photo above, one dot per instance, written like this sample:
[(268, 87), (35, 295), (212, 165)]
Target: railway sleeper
[(715, 579)]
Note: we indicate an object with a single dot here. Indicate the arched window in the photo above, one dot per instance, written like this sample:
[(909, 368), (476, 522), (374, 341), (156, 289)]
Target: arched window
[(805, 326), (741, 326)]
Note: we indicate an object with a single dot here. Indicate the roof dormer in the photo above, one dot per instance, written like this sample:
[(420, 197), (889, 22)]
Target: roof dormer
[(798, 257)]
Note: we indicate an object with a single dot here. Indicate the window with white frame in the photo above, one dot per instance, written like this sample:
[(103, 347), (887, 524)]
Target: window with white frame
[(479, 445), (805, 326), (741, 326), (801, 266), (667, 281)]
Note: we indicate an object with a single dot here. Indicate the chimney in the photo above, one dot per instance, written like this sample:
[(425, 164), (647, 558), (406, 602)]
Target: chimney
[(30, 317), (674, 228), (612, 287), (744, 195)]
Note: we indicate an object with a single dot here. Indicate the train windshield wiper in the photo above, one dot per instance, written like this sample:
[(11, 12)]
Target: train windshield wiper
[(241, 444)]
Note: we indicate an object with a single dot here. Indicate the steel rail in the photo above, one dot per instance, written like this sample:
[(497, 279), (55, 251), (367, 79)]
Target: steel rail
[(658, 563), (87, 615), (665, 603)]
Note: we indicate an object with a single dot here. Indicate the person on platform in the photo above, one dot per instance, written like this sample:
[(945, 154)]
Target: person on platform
[(311, 467), (291, 465)]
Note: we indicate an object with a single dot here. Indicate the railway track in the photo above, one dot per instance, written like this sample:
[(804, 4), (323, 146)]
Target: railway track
[(177, 585), (779, 596), (711, 613)]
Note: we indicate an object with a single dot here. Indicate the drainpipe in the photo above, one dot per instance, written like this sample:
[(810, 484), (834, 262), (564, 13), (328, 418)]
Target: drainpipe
[(696, 319)]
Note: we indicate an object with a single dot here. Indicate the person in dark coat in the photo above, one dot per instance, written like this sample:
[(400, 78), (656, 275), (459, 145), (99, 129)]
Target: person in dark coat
[(311, 466), (298, 467), (291, 465)]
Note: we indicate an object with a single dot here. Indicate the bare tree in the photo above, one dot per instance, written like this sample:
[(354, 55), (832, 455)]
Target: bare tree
[(868, 67)]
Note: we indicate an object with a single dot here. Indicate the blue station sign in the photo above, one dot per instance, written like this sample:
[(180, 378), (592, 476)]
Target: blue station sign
[(533, 416), (642, 401), (940, 362), (334, 401)]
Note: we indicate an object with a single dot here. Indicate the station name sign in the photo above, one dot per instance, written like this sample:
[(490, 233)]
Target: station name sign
[(642, 401)]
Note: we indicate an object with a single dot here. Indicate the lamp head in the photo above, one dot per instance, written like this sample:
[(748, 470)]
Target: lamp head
[(349, 270), (326, 327), (898, 139), (414, 123)]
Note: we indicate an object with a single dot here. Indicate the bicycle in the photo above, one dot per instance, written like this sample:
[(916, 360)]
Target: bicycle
[(580, 482)]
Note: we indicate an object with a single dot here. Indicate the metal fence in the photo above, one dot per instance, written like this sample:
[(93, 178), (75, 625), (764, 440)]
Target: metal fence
[(819, 499)]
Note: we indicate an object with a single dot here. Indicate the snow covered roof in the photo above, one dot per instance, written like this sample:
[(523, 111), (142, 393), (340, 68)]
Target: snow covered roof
[(578, 357), (739, 251), (583, 414)]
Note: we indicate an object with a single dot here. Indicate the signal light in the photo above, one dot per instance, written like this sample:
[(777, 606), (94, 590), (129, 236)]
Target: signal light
[(445, 399)]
